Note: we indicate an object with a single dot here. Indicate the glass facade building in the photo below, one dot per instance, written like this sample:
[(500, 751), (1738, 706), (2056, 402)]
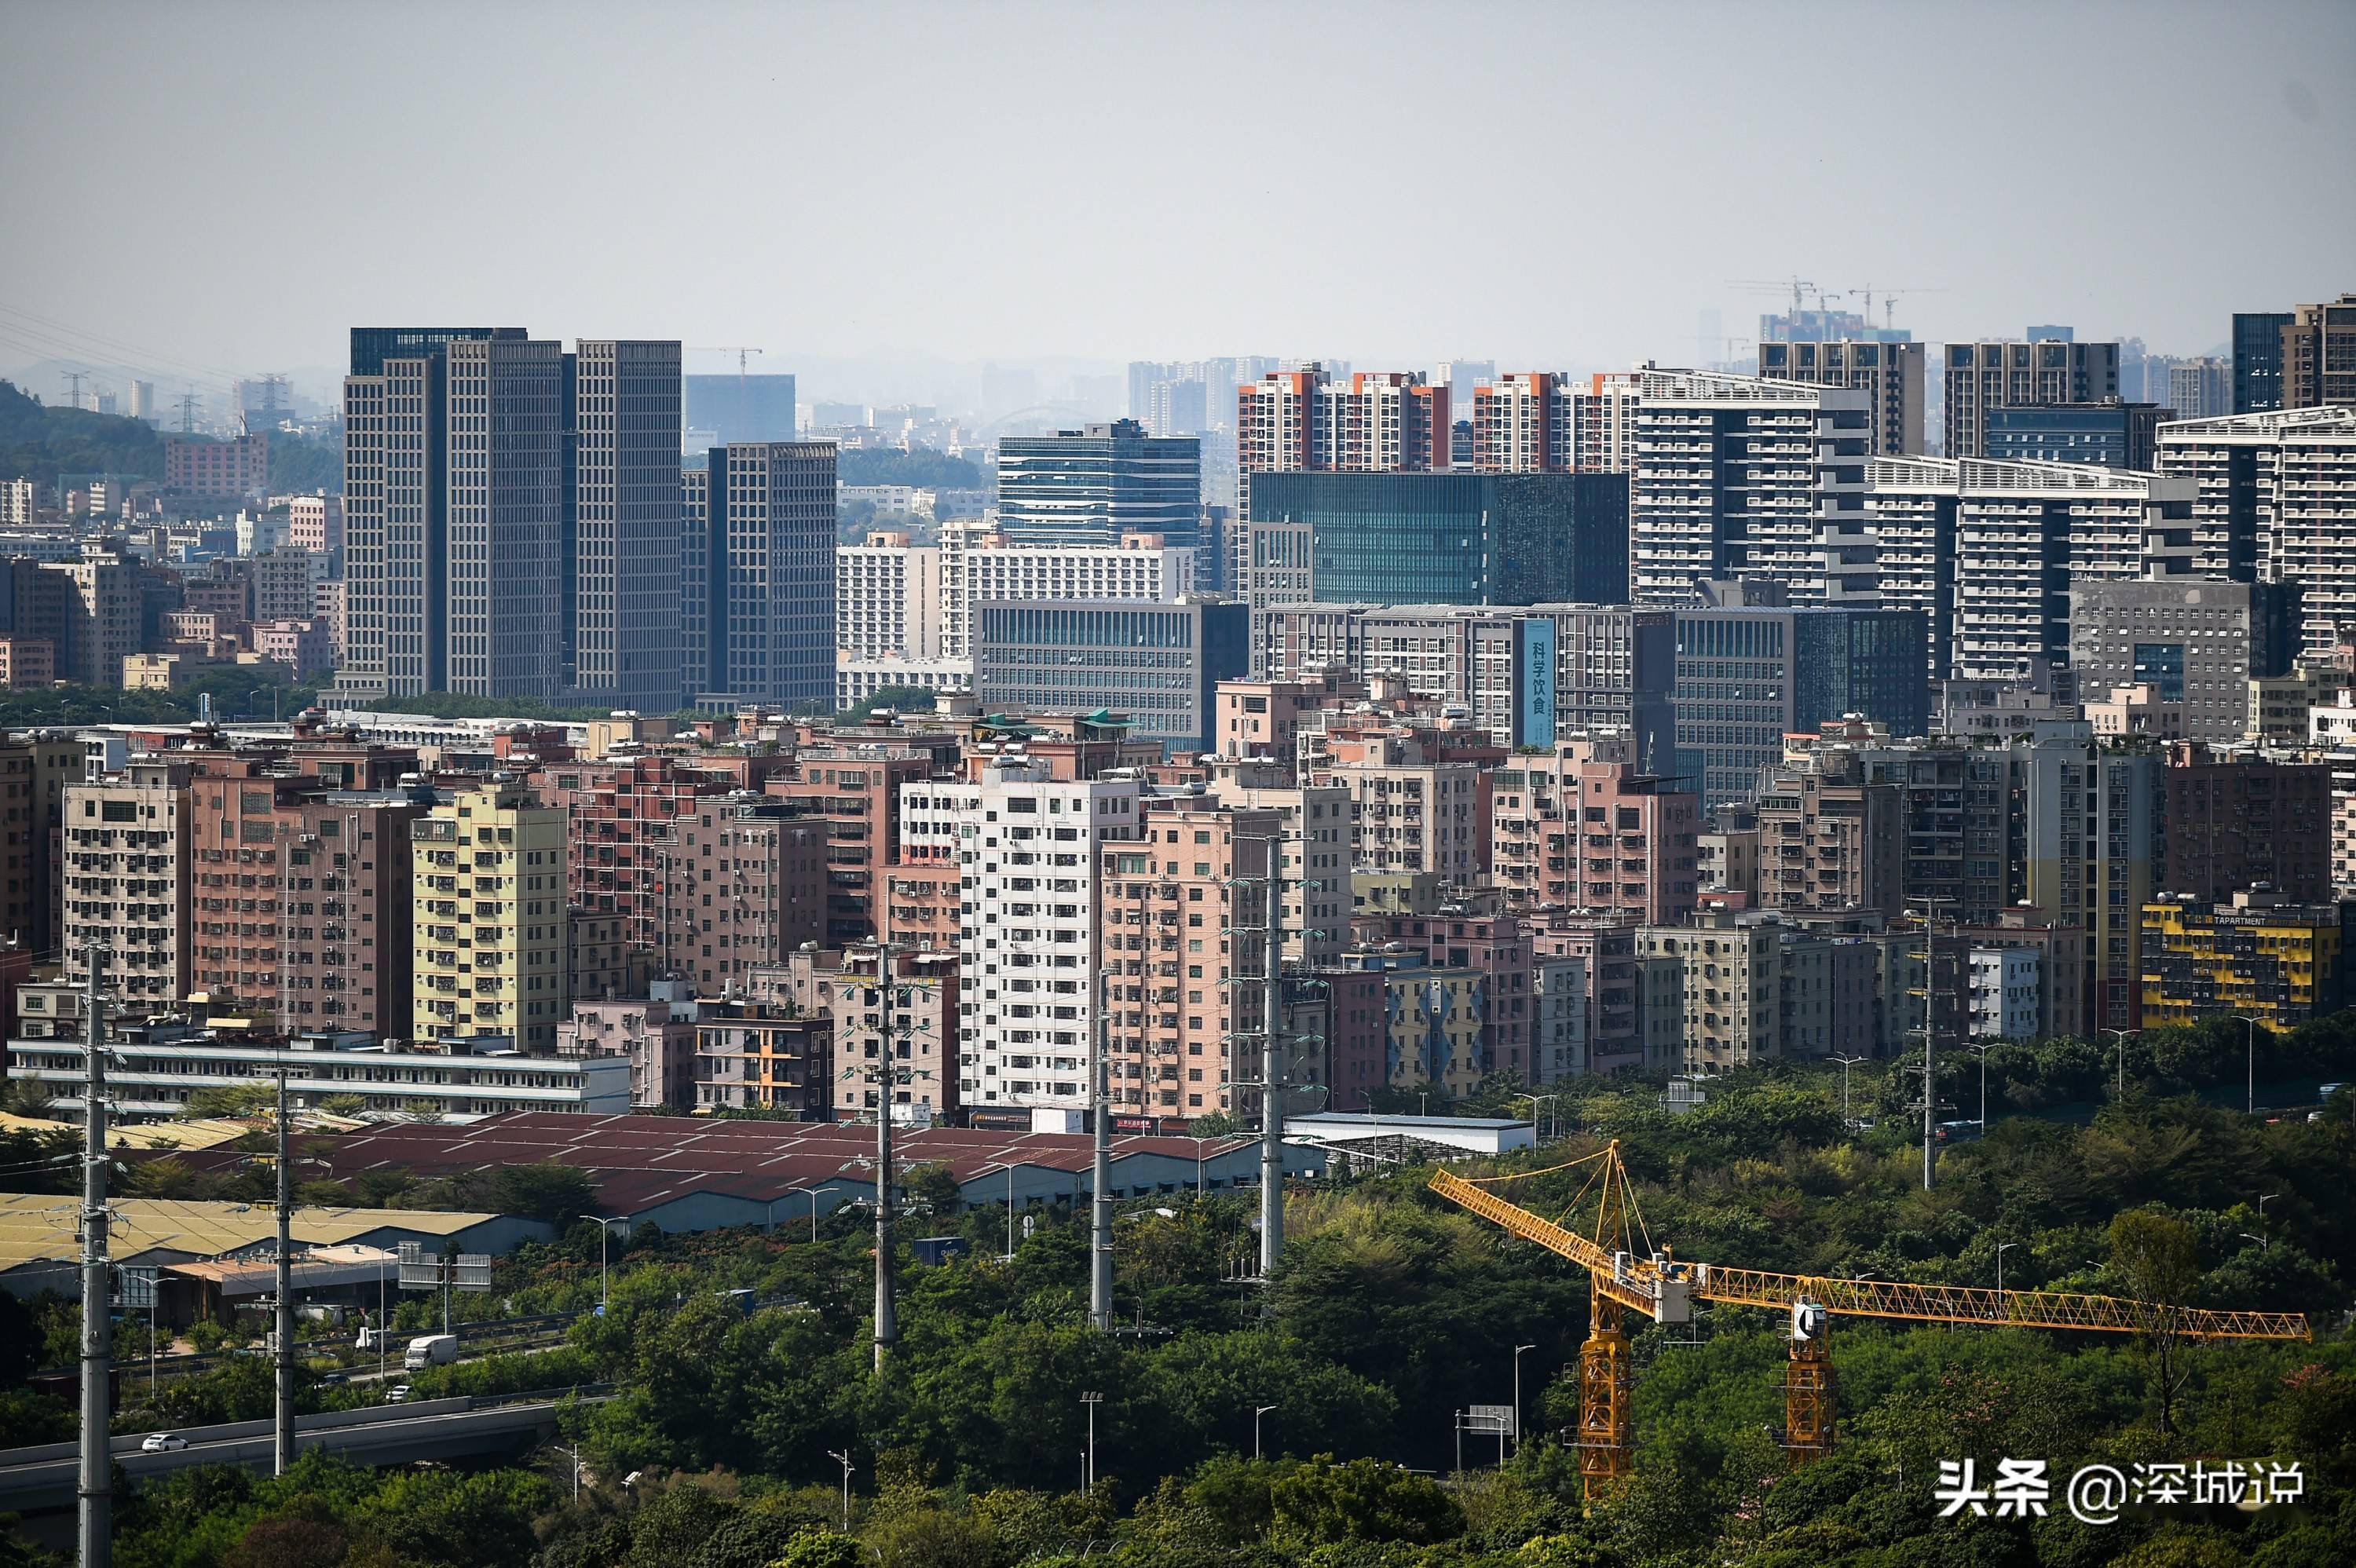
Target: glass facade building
[(724, 411), (1745, 678), (1456, 539), (2114, 435), (1090, 486), (1160, 664), (2258, 360)]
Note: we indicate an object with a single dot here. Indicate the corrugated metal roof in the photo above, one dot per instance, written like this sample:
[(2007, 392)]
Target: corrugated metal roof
[(640, 1160), (43, 1227)]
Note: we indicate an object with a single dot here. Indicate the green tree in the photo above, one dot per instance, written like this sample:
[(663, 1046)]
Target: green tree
[(821, 1549), (2158, 1259), (232, 1101), (1363, 1499), (934, 1189), (547, 1191)]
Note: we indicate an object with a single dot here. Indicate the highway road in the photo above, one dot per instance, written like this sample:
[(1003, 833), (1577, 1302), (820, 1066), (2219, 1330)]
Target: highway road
[(32, 1479)]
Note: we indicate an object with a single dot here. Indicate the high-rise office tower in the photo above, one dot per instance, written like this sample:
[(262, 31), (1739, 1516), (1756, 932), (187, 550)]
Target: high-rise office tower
[(503, 585), (757, 578), (1748, 676), (2275, 501), (1740, 475), (724, 411), (1090, 486), (1452, 539), (2201, 389), (1525, 424), (2257, 359), (2319, 355), (396, 508), (1984, 375), (1891, 373), (621, 618), (509, 517)]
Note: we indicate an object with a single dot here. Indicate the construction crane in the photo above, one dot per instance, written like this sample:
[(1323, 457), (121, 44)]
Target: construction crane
[(742, 352), (1889, 301), (1795, 284), (1627, 1273)]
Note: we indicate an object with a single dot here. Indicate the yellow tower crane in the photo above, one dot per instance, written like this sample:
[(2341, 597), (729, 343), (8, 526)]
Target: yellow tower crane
[(1627, 1273)]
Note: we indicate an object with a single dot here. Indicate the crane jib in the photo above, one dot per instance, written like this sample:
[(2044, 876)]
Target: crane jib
[(1660, 1286)]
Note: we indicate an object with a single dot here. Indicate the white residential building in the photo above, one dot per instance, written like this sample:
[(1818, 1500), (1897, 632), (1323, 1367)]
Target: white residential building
[(887, 598), (1030, 892), (2006, 983), (978, 564)]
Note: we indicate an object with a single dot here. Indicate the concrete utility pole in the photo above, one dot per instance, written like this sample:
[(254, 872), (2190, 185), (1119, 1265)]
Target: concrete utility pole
[(281, 1447), (95, 1487), (1271, 1095), (887, 1323), (1100, 1175), (887, 1077)]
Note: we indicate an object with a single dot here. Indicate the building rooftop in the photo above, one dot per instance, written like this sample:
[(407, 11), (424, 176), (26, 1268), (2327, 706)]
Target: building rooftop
[(44, 1227)]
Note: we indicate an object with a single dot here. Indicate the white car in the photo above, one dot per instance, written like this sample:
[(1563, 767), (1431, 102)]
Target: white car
[(397, 1394), (163, 1443)]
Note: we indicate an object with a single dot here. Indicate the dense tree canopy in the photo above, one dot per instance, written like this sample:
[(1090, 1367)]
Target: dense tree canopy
[(1391, 1312)]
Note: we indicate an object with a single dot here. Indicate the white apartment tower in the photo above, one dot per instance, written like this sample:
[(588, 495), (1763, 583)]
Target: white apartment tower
[(978, 564), (1739, 475), (887, 598), (2275, 501), (1031, 895), (2024, 532)]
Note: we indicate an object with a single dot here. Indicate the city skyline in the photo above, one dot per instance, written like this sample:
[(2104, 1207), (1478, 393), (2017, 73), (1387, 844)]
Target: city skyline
[(902, 247)]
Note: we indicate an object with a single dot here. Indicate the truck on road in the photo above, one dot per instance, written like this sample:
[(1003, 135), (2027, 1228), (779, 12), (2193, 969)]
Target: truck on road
[(431, 1350)]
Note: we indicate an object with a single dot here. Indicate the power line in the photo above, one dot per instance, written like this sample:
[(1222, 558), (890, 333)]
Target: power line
[(114, 345)]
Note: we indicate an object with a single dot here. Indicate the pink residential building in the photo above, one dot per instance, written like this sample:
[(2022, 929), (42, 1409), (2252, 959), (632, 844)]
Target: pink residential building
[(305, 647), (1581, 829)]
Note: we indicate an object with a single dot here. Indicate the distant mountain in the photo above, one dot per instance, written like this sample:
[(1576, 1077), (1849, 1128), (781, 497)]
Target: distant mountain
[(41, 442)]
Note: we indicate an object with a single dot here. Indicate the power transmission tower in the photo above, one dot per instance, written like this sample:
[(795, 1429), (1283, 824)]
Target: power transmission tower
[(73, 393), (187, 401), (96, 1481)]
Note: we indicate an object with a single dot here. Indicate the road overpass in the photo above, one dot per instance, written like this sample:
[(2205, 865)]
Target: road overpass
[(35, 1479)]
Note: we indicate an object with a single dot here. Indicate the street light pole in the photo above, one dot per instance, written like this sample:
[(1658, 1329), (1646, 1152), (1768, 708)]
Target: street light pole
[(1256, 1414), (2001, 1248), (1845, 1063), (1092, 1400), (1982, 1052), (845, 1456), (2250, 1044), (2123, 1034)]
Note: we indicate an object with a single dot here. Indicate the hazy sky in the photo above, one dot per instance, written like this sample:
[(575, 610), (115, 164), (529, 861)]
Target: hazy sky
[(1547, 185)]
